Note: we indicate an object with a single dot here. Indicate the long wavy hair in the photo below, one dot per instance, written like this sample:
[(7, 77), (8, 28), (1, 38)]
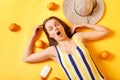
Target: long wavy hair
[(52, 41)]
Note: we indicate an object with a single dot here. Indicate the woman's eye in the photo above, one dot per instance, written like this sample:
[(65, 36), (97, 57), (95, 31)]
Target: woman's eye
[(50, 28), (56, 24)]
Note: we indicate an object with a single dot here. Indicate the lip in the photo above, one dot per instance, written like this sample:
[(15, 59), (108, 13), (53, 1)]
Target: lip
[(57, 31)]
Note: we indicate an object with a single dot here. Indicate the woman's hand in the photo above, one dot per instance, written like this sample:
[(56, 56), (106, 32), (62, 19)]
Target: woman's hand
[(73, 29), (37, 29)]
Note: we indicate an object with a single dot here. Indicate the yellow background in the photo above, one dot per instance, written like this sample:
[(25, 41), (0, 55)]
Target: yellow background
[(30, 13)]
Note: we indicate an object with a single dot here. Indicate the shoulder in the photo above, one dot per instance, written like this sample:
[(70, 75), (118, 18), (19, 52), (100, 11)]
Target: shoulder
[(52, 51), (54, 55), (79, 36), (51, 48)]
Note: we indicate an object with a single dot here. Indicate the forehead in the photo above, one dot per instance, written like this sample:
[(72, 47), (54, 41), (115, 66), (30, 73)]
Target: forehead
[(51, 22)]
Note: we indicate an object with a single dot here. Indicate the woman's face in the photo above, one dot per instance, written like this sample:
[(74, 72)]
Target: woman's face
[(55, 30)]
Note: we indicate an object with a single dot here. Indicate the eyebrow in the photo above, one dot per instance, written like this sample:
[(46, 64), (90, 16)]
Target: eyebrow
[(55, 22)]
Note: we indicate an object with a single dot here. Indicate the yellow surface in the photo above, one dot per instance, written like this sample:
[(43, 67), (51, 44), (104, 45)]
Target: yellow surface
[(30, 13)]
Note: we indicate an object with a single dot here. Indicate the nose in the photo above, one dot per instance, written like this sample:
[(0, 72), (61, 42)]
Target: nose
[(55, 28)]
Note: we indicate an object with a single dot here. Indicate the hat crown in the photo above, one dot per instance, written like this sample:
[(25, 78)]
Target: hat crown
[(83, 11), (84, 7)]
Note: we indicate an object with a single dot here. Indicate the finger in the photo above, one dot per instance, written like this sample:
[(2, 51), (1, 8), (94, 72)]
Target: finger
[(71, 30), (37, 28), (40, 26)]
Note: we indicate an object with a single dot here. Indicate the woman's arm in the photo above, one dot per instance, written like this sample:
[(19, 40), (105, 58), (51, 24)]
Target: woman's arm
[(40, 56), (30, 55), (96, 33)]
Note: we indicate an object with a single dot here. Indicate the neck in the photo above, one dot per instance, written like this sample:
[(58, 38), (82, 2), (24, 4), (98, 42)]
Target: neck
[(65, 40)]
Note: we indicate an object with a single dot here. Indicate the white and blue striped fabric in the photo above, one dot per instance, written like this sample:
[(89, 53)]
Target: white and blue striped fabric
[(79, 65)]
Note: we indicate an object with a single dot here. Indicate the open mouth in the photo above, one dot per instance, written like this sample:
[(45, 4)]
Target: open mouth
[(58, 33)]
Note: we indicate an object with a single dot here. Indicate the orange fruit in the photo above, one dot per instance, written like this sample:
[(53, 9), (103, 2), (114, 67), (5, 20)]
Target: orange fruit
[(14, 27), (55, 78), (52, 6), (104, 55), (39, 44), (42, 78)]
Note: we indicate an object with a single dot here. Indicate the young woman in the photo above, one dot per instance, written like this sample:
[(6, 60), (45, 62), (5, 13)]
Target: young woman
[(66, 46)]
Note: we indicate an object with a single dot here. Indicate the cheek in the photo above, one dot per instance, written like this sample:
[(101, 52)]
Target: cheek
[(51, 34)]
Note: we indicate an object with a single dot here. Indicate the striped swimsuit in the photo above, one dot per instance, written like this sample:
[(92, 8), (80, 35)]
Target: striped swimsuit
[(79, 65)]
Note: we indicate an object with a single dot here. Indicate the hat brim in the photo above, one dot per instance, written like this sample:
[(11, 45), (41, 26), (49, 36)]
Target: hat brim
[(70, 14)]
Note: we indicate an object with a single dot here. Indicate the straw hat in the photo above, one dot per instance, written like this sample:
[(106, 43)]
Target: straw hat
[(83, 11)]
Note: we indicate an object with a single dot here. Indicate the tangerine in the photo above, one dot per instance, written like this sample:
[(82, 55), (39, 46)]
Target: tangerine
[(39, 44), (52, 6), (14, 27), (104, 55)]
